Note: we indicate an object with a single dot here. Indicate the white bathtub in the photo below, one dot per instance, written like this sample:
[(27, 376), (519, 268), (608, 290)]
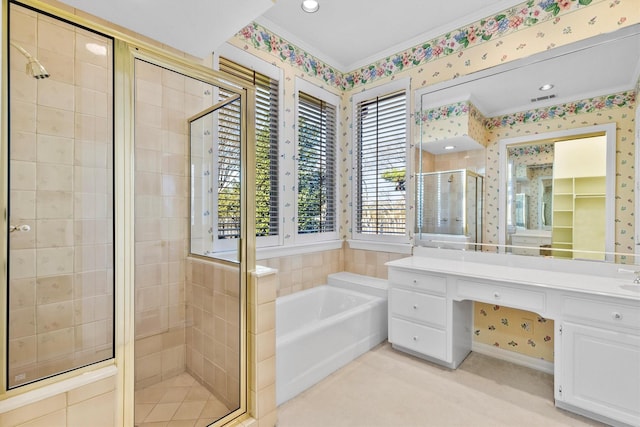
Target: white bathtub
[(319, 330)]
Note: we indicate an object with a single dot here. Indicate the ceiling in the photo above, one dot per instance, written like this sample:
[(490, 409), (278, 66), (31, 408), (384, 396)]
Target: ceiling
[(348, 34), (196, 27), (578, 71), (344, 34)]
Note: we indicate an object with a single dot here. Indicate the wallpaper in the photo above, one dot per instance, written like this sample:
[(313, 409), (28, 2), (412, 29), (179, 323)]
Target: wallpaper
[(621, 113), (450, 121), (486, 31), (514, 330), (526, 29)]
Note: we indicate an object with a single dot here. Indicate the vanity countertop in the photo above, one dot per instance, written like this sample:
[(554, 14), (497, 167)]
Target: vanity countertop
[(612, 286)]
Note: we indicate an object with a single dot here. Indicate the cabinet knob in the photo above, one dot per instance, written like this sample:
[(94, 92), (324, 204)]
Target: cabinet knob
[(415, 282), (616, 315), (415, 306), (415, 338), (496, 295)]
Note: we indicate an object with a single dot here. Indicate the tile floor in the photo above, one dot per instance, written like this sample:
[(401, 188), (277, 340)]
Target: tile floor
[(387, 388), (180, 401)]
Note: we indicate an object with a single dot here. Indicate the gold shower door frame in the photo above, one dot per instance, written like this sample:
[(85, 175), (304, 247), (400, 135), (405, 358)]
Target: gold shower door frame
[(126, 54), (126, 48)]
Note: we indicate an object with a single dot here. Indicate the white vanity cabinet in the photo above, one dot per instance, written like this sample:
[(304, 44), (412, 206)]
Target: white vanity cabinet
[(598, 370), (529, 244), (424, 322), (596, 314)]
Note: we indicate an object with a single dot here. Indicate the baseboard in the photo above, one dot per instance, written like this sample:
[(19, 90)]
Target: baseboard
[(513, 357)]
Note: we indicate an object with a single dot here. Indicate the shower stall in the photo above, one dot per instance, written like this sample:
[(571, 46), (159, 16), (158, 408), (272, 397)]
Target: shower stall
[(60, 224), (449, 209), (99, 181)]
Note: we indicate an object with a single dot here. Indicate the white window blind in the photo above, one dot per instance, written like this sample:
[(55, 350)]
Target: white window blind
[(266, 197), (316, 165), (227, 166), (380, 167)]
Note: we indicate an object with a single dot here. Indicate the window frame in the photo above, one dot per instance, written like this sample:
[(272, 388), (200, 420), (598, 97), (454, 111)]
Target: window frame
[(261, 66), (334, 100), (366, 95)]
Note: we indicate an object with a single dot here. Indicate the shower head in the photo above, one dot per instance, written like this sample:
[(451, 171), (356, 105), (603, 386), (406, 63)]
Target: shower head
[(34, 68)]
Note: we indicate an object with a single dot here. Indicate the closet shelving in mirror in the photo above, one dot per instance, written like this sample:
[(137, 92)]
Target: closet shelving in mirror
[(578, 216)]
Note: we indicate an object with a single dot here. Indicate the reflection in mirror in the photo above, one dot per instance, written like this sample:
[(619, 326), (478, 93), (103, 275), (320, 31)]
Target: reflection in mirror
[(449, 207), (581, 164), (450, 184), (529, 167), (509, 102), (574, 174)]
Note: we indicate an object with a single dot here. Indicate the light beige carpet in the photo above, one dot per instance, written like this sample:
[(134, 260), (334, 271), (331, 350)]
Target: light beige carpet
[(387, 388)]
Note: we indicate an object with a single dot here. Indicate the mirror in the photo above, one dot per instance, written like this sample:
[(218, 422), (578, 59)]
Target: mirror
[(579, 99), (579, 170)]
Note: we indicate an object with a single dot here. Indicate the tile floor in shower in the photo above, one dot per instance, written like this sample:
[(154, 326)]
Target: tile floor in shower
[(180, 401)]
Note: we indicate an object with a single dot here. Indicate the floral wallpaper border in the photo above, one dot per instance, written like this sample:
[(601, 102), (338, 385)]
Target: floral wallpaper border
[(456, 109), (562, 110), (524, 15), (530, 150), (589, 105)]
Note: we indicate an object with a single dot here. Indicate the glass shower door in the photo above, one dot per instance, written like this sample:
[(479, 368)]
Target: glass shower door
[(60, 223)]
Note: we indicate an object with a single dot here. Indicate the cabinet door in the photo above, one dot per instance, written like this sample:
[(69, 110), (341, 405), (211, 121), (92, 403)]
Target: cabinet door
[(601, 371)]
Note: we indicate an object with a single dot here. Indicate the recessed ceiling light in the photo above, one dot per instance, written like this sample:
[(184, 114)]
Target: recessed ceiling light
[(547, 86), (449, 147), (310, 6)]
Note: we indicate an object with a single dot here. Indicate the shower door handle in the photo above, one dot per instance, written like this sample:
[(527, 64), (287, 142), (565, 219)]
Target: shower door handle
[(23, 227)]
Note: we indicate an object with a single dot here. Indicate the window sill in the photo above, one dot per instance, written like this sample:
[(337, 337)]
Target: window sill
[(396, 248), (298, 249)]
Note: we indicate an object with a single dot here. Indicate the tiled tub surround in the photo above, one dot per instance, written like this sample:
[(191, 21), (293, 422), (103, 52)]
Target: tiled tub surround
[(305, 271), (61, 271)]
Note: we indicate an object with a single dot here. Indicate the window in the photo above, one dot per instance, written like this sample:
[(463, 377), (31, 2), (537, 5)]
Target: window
[(267, 124), (380, 162), (316, 161)]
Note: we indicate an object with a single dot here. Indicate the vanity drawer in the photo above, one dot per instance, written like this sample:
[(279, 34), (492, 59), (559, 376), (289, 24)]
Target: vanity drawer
[(421, 307), (422, 339), (528, 241), (598, 311), (417, 281), (502, 295)]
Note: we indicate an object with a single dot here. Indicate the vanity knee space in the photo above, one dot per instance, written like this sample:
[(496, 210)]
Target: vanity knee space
[(597, 334)]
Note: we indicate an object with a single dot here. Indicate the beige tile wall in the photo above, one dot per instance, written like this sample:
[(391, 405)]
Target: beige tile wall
[(262, 288), (213, 328), (89, 405), (164, 100), (369, 263), (299, 272), (61, 272)]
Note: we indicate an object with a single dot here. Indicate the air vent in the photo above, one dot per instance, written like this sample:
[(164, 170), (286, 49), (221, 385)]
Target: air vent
[(542, 98)]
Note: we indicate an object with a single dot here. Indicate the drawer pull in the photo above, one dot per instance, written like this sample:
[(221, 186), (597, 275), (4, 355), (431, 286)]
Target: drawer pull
[(496, 295), (616, 315), (415, 306), (415, 338)]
